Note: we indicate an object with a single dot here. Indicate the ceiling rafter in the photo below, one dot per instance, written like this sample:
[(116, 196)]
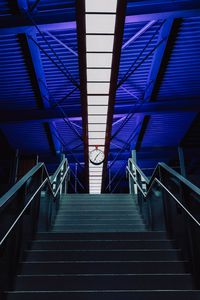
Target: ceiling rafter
[(56, 20), (72, 111), (159, 54), (39, 76), (138, 34), (142, 131), (61, 43)]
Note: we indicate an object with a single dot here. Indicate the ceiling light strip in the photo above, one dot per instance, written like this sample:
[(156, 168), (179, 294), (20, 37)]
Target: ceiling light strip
[(100, 19)]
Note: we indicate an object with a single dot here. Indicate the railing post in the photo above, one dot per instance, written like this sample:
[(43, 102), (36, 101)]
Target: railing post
[(157, 207), (133, 156), (43, 223), (182, 161), (76, 172)]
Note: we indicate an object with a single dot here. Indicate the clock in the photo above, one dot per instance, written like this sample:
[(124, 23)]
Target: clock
[(96, 156)]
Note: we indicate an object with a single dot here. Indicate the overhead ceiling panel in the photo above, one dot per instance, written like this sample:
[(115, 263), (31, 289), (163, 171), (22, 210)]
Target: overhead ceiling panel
[(5, 9), (181, 77), (64, 44), (15, 84), (46, 5), (68, 137), (29, 139), (166, 130)]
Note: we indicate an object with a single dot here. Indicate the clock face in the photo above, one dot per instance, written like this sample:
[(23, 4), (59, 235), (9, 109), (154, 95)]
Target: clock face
[(96, 157)]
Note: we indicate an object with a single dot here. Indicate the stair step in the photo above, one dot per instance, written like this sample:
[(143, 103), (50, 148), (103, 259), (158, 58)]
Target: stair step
[(107, 295), (105, 267), (103, 281), (113, 222), (97, 227), (112, 203), (94, 206), (112, 255), (98, 197), (101, 244), (146, 235), (99, 212), (100, 218)]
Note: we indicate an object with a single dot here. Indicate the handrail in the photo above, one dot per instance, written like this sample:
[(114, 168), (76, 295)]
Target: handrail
[(169, 170), (181, 178), (7, 197), (22, 212), (131, 174), (57, 170), (150, 182), (4, 200), (153, 181), (139, 170)]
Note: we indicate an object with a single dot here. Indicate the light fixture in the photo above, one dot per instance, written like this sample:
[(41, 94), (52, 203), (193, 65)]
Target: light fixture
[(99, 60), (96, 75), (100, 19), (100, 23), (98, 100), (97, 127), (99, 43), (107, 6), (97, 109), (97, 119), (98, 88)]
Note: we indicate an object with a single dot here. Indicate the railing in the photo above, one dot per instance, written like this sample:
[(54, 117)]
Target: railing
[(30, 205), (170, 202)]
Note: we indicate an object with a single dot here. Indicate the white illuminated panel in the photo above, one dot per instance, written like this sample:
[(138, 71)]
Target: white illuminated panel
[(99, 43), (98, 75), (94, 134), (107, 6), (100, 19), (97, 23), (100, 110), (96, 141), (98, 88), (99, 60), (96, 127), (97, 119), (98, 100)]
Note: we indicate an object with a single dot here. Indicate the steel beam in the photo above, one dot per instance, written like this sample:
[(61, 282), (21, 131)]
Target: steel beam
[(73, 112), (143, 128), (43, 90), (39, 78), (143, 11), (159, 10), (138, 34), (158, 58), (47, 21)]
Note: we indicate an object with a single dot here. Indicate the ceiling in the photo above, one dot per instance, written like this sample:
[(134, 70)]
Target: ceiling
[(157, 98)]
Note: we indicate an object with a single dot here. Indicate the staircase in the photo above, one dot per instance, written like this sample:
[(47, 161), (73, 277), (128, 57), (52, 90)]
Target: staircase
[(100, 248), (97, 213)]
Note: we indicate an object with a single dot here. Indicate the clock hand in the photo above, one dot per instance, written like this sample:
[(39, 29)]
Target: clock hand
[(96, 156)]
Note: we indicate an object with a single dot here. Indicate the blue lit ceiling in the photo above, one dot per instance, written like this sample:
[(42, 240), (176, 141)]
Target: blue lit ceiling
[(157, 100)]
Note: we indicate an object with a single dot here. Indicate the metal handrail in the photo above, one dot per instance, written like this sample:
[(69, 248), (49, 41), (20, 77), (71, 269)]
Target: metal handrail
[(139, 170), (169, 170), (154, 179), (52, 178), (6, 198)]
